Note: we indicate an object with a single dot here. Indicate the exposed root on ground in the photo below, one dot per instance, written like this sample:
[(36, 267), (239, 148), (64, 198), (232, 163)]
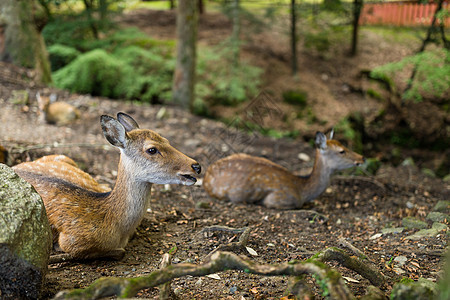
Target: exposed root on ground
[(327, 278)]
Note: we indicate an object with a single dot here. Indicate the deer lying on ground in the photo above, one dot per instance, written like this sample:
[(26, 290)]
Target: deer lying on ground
[(244, 178), (56, 112), (87, 221)]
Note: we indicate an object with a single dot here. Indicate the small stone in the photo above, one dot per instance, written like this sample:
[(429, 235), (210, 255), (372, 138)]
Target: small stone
[(411, 222), (233, 289), (439, 226), (199, 282), (436, 216), (392, 230), (375, 236), (423, 233), (401, 260), (442, 206)]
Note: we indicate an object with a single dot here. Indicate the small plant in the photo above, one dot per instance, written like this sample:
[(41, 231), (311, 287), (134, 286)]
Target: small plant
[(296, 97)]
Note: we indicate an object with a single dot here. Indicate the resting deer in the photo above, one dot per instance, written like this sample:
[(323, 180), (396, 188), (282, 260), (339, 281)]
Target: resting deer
[(56, 112), (89, 222), (250, 179)]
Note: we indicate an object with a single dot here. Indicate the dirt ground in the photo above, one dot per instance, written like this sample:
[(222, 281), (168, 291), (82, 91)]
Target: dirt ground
[(353, 208)]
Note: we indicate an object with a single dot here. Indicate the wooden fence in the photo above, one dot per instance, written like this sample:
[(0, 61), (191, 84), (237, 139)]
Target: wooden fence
[(399, 14)]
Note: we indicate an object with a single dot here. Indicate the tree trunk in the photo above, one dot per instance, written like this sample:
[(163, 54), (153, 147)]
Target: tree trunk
[(235, 42), (357, 6), (184, 77), (293, 38), (21, 43), (201, 7)]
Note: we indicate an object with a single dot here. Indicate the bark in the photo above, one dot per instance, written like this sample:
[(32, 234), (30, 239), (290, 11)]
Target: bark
[(184, 77), (21, 43), (357, 6)]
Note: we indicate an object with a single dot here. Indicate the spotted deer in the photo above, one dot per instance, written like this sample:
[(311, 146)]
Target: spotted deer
[(87, 220), (245, 178)]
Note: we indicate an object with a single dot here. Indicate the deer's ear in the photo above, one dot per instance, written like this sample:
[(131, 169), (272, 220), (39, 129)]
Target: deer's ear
[(321, 140), (127, 121), (113, 131)]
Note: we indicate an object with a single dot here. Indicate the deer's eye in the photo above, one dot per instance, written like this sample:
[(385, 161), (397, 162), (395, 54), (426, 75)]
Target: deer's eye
[(152, 151), (342, 152)]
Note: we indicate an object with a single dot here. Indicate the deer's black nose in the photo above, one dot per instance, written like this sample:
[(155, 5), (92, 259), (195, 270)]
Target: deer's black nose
[(197, 168)]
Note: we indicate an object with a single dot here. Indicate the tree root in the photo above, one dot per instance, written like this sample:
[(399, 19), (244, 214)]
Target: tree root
[(356, 263), (329, 279)]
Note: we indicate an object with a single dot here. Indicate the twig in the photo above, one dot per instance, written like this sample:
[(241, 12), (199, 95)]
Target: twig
[(165, 292), (220, 261), (232, 246)]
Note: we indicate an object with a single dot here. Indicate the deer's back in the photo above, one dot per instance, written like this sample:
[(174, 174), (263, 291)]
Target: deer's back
[(59, 167), (246, 178), (70, 195)]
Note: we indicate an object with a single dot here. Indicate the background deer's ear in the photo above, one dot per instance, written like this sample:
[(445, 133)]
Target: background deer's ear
[(321, 140), (127, 121), (113, 131)]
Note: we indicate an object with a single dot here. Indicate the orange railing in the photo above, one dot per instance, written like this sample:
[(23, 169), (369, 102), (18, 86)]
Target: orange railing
[(399, 14)]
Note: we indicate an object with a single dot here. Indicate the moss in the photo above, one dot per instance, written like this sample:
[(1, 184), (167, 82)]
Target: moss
[(295, 97)]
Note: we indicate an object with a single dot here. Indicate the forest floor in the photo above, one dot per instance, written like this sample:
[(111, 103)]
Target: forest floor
[(354, 208)]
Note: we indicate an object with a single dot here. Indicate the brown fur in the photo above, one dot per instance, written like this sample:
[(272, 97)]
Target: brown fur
[(89, 221), (250, 179)]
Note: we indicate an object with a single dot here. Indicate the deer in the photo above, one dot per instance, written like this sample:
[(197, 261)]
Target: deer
[(88, 221), (242, 178), (56, 112)]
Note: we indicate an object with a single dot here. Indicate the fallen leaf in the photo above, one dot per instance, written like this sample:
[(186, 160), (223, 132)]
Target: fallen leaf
[(251, 251), (214, 276), (349, 279)]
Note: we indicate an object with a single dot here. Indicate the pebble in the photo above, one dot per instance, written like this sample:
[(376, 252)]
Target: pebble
[(401, 260)]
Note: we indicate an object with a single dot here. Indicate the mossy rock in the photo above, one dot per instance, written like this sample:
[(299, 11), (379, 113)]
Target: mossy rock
[(25, 238)]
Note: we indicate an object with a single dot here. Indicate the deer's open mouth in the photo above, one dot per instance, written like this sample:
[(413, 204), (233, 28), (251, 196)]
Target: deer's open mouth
[(188, 179)]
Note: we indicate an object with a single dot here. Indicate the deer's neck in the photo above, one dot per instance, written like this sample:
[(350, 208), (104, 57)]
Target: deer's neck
[(128, 201), (314, 184)]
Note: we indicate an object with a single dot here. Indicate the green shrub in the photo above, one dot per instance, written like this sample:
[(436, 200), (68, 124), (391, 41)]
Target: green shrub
[(432, 74), (97, 73), (153, 73), (61, 55), (217, 81), (72, 32), (296, 97)]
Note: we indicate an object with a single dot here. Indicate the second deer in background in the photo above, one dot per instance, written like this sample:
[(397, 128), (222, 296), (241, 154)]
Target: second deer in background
[(245, 178)]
